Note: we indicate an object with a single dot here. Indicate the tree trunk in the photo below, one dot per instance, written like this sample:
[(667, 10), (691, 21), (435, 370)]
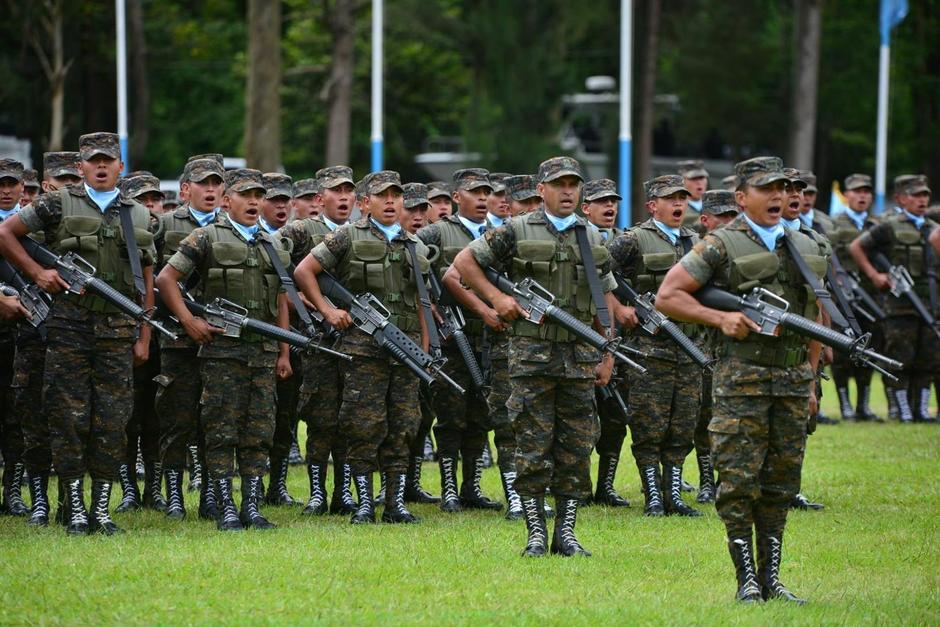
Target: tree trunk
[(140, 113), (339, 87), (263, 87), (925, 92), (57, 80), (804, 94), (644, 123)]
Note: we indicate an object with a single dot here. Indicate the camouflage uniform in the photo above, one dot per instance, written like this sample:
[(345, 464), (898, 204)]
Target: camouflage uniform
[(693, 169)]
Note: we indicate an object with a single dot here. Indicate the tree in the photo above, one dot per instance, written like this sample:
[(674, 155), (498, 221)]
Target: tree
[(340, 17), (140, 113), (805, 89), (645, 95), (263, 86)]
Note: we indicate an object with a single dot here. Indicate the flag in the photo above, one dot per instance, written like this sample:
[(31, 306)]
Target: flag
[(837, 202), (892, 12)]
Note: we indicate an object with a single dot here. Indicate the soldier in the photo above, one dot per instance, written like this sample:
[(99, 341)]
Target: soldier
[(902, 238), (92, 346), (764, 385), (695, 180), (170, 200), (275, 211), (305, 202), (524, 198), (31, 186), (321, 388), (439, 205), (497, 204), (379, 396), (238, 375), (809, 215), (552, 375), (415, 215), (729, 183)]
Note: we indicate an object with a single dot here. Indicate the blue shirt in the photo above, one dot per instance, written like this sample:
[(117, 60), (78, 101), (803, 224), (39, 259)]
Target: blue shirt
[(604, 234), (858, 217), (671, 232), (696, 204), (561, 224), (102, 199), (247, 232), (203, 217), (768, 234), (494, 220), (807, 218), (6, 213), (477, 228), (917, 220), (390, 232), (264, 225), (329, 223), (793, 225)]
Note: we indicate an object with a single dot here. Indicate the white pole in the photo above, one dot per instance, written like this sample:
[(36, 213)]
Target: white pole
[(881, 146), (377, 60), (625, 138), (121, 81)]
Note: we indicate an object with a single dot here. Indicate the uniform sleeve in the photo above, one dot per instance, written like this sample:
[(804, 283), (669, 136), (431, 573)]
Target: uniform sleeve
[(879, 236), (430, 235), (704, 259), (43, 214), (623, 249), (301, 242), (496, 247), (334, 247), (192, 252)]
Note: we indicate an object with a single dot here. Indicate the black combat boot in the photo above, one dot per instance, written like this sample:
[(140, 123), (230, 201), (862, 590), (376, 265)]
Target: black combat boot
[(342, 501), (649, 479), (904, 409), (39, 496), (769, 552), (845, 404), (13, 490), (380, 497), (672, 479), (294, 458), (742, 555), (863, 411), (195, 470), (514, 509), (130, 495), (76, 518), (365, 511), (549, 512), (450, 501), (227, 519), (61, 511), (892, 404), (395, 510), (564, 542), (429, 454), (471, 495), (706, 479), (175, 508), (922, 405), (100, 521), (801, 502), (605, 493), (487, 456), (277, 488), (208, 503), (316, 505), (250, 515), (537, 541), (414, 493), (153, 481)]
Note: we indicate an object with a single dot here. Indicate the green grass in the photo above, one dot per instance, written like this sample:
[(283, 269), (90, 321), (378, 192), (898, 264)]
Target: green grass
[(871, 557)]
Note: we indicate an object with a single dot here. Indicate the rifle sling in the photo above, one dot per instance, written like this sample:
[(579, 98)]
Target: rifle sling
[(133, 255), (287, 281), (434, 341), (594, 282), (821, 292), (930, 268)]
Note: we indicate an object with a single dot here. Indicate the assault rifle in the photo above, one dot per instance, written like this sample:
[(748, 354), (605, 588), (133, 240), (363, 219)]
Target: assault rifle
[(450, 327), (859, 300), (902, 286), (33, 299), (610, 391)]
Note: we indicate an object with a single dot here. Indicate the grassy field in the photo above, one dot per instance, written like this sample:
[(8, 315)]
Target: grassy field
[(871, 557)]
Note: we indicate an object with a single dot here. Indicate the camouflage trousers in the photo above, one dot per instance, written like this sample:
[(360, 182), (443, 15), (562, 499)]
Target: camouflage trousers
[(287, 393), (612, 421), (179, 388), (461, 418), (913, 343), (702, 443), (503, 435), (28, 367), (426, 405), (320, 397), (11, 430), (144, 425), (379, 414), (664, 409)]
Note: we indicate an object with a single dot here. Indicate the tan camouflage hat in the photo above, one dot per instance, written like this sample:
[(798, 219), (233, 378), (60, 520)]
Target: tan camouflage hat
[(31, 178), (378, 182), (334, 176), (795, 177), (306, 187), (665, 185), (471, 178), (11, 169), (730, 182), (522, 187), (718, 201), (498, 181), (170, 199), (917, 184), (557, 167), (438, 188), (857, 181), (415, 194), (810, 179), (277, 185), (56, 164), (140, 184), (215, 156), (198, 170), (92, 144), (759, 171), (600, 188), (692, 169), (243, 179)]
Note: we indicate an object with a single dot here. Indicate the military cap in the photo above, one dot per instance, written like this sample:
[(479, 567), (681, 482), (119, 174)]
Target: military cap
[(438, 188), (92, 144), (361, 188), (61, 163), (498, 181), (131, 175), (665, 185), (306, 187), (277, 184), (31, 178), (901, 180), (199, 170), (415, 194), (11, 169), (471, 178), (170, 198), (334, 176), (730, 182), (378, 182), (915, 185), (795, 177), (243, 179), (557, 167), (857, 181), (215, 156), (600, 188), (810, 179), (718, 201), (759, 171), (522, 187), (692, 169), (135, 186)]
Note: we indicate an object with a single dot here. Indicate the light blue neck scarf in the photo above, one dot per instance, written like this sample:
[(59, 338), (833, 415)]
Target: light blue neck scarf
[(102, 199), (858, 217), (917, 220), (671, 232), (477, 228), (561, 224), (329, 223), (390, 232), (6, 213), (203, 217), (767, 234), (247, 232), (807, 218)]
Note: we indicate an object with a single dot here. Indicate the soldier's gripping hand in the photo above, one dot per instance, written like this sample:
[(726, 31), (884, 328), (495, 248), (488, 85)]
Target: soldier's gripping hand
[(882, 281), (337, 318), (283, 368), (200, 331), (11, 307), (492, 320), (50, 282), (507, 308), (626, 316), (604, 370), (735, 324)]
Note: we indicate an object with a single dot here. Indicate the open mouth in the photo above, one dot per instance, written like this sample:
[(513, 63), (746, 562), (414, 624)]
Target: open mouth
[(774, 210), (281, 216), (251, 211), (794, 204), (677, 214), (210, 199), (610, 213)]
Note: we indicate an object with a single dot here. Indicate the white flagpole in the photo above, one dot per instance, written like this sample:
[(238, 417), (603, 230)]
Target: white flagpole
[(625, 138), (121, 81), (377, 138), (881, 145)]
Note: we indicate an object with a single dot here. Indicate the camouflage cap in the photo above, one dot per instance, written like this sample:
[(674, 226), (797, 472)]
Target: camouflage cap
[(718, 201), (498, 181), (557, 167), (306, 187), (730, 182), (215, 156), (137, 173), (692, 169), (61, 164), (277, 184), (471, 178), (415, 194), (857, 181), (378, 182), (522, 187), (759, 171), (170, 198), (600, 188), (92, 144), (243, 179), (30, 178), (334, 176), (810, 179), (917, 184), (795, 177), (438, 188), (665, 185), (11, 169), (198, 170), (140, 184)]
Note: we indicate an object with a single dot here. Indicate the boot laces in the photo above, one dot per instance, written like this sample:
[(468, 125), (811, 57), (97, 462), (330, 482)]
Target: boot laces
[(155, 480), (675, 484), (175, 490), (365, 499), (450, 481), (609, 476), (253, 497), (863, 399), (400, 493), (533, 519), (515, 501), (904, 408), (569, 517), (316, 493), (124, 474), (652, 491), (197, 466), (16, 495), (749, 586), (773, 575), (347, 489), (477, 477), (282, 492), (416, 480), (924, 402), (40, 501), (101, 503), (77, 514), (229, 514), (844, 401)]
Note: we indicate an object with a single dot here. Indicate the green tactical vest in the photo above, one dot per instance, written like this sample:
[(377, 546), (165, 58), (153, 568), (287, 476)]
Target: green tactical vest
[(454, 238), (555, 262), (384, 269), (84, 230), (176, 225), (908, 250), (752, 265), (842, 234)]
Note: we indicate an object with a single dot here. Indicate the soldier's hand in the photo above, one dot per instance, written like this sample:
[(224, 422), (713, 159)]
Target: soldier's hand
[(813, 410), (882, 281), (309, 305), (604, 370), (626, 316), (50, 282), (492, 319), (338, 318), (141, 352), (11, 307), (200, 331), (827, 356), (284, 371), (507, 308), (735, 324)]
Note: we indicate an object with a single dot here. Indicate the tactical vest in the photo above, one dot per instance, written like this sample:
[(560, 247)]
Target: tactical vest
[(176, 225), (83, 230), (454, 238), (384, 269), (751, 265), (842, 234), (555, 262), (908, 250)]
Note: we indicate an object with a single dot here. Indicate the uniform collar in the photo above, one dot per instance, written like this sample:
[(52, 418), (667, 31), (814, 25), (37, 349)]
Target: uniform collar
[(102, 199), (6, 213), (476, 228)]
